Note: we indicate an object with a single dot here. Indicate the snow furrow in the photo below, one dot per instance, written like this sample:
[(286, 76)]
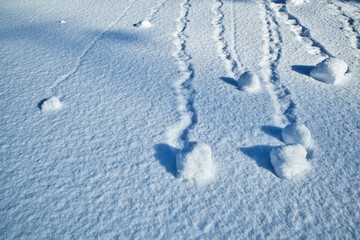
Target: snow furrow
[(154, 10), (231, 65), (86, 50), (301, 32), (283, 105), (349, 24), (177, 135), (234, 23)]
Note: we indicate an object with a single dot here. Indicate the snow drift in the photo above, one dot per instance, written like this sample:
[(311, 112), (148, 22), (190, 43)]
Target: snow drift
[(51, 105), (194, 163), (289, 161), (248, 81), (330, 71)]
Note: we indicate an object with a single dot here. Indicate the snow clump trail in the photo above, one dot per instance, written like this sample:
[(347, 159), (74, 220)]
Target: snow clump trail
[(177, 136), (86, 50)]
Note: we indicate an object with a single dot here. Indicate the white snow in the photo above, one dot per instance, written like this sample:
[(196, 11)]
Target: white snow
[(330, 70), (194, 163), (52, 104), (290, 161), (62, 21), (296, 2), (297, 133), (249, 81), (143, 24)]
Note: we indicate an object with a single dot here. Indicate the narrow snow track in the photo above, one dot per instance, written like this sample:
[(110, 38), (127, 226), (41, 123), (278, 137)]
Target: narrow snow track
[(232, 69), (349, 23), (301, 32), (177, 135), (155, 9), (86, 50), (280, 95), (235, 34)]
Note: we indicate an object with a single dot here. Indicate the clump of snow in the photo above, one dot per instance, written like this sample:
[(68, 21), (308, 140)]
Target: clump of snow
[(330, 71), (143, 24), (62, 22), (297, 133), (51, 105), (289, 161), (248, 81), (296, 2), (194, 163)]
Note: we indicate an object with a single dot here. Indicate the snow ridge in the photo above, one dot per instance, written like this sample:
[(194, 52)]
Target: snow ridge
[(349, 25), (231, 65), (80, 59), (283, 105), (302, 33), (177, 135)]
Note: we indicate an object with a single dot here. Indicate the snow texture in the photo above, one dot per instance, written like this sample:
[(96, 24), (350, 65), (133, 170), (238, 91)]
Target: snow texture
[(143, 24), (52, 104), (194, 163), (296, 2), (330, 70), (297, 133), (249, 82), (290, 161)]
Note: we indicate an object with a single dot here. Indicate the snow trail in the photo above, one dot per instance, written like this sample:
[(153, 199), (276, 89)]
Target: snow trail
[(155, 9), (349, 24), (86, 50), (231, 64), (301, 32), (234, 39), (283, 105), (177, 135)]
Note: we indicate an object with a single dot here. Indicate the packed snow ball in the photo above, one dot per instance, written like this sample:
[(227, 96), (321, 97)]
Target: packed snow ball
[(143, 24), (297, 133), (194, 163), (296, 2), (51, 105), (331, 71), (290, 161), (249, 82)]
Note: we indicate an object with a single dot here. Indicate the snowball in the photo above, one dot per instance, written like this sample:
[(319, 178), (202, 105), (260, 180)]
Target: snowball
[(52, 104), (297, 133), (143, 24), (248, 81), (194, 163), (62, 21), (330, 71), (289, 161), (296, 2)]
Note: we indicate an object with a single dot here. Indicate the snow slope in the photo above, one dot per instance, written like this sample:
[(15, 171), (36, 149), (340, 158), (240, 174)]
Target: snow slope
[(104, 164)]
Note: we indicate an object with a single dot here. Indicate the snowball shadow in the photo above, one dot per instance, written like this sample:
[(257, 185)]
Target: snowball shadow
[(41, 103), (230, 81), (273, 131), (302, 69), (261, 155), (167, 157)]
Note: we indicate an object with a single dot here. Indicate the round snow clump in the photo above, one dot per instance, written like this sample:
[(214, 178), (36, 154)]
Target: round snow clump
[(297, 133), (194, 163), (330, 71), (143, 24), (296, 2), (248, 81), (62, 21), (52, 104), (289, 161)]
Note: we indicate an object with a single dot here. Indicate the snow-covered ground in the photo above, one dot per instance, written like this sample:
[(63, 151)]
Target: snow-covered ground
[(127, 119)]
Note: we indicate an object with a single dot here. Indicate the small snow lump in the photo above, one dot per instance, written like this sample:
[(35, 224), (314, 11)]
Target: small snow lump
[(51, 105), (297, 133), (331, 70), (248, 81), (296, 2), (194, 163), (289, 161), (143, 24)]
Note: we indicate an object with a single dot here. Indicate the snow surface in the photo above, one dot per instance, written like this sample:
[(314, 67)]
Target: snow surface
[(330, 70), (249, 81), (194, 163), (297, 133), (104, 166), (290, 161)]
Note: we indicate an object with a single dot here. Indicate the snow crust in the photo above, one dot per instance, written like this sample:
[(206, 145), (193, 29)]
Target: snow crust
[(330, 70), (297, 133), (248, 81), (194, 163), (52, 104), (143, 24), (296, 2), (289, 161)]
